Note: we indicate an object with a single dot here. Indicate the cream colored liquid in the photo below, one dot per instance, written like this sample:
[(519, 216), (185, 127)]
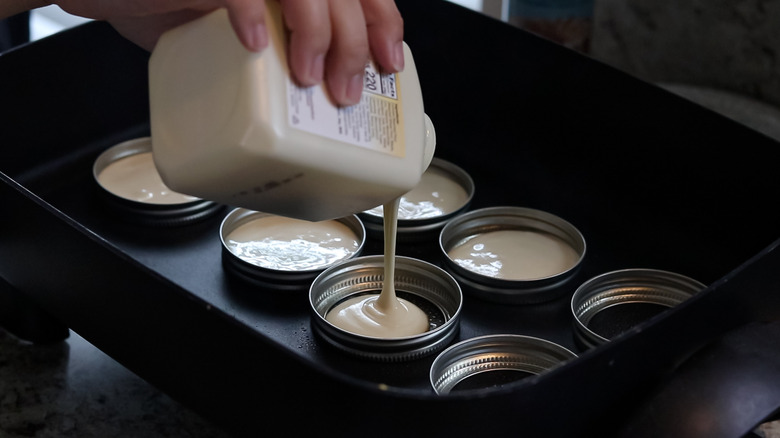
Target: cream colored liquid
[(286, 244), (382, 315), (515, 254), (135, 178), (436, 194)]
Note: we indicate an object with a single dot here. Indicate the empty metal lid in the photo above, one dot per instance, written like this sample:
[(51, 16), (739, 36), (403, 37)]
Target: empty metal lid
[(613, 302), (502, 358)]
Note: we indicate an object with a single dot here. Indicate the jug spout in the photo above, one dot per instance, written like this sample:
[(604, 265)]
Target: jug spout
[(430, 142)]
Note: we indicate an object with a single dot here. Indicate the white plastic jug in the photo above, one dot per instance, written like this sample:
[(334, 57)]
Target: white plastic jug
[(229, 125)]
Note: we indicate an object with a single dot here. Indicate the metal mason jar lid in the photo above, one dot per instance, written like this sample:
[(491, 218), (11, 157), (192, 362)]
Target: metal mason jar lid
[(268, 256), (499, 356), (613, 302), (131, 186), (553, 231), (419, 282), (420, 219)]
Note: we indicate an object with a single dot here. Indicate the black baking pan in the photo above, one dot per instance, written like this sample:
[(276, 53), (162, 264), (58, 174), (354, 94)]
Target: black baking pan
[(650, 179)]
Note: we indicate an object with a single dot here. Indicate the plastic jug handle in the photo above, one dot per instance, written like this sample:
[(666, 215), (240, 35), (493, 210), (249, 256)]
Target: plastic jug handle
[(430, 142)]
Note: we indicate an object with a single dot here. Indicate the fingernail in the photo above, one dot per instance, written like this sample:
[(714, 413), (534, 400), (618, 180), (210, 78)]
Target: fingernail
[(257, 37), (317, 69), (354, 89), (398, 57)]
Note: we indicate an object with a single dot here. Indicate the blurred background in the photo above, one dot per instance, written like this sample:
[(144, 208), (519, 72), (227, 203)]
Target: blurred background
[(723, 54)]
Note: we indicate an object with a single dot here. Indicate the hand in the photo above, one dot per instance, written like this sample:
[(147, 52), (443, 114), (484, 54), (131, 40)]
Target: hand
[(329, 40), (333, 39)]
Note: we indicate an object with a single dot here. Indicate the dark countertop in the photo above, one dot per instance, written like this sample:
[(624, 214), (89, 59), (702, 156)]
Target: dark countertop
[(72, 389)]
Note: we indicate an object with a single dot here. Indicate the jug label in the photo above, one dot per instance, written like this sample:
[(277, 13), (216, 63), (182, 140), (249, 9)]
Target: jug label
[(376, 122), (378, 83)]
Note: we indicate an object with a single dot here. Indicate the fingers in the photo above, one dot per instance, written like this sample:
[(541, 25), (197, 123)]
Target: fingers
[(331, 40), (248, 20), (328, 41), (385, 33), (348, 53), (308, 22)]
